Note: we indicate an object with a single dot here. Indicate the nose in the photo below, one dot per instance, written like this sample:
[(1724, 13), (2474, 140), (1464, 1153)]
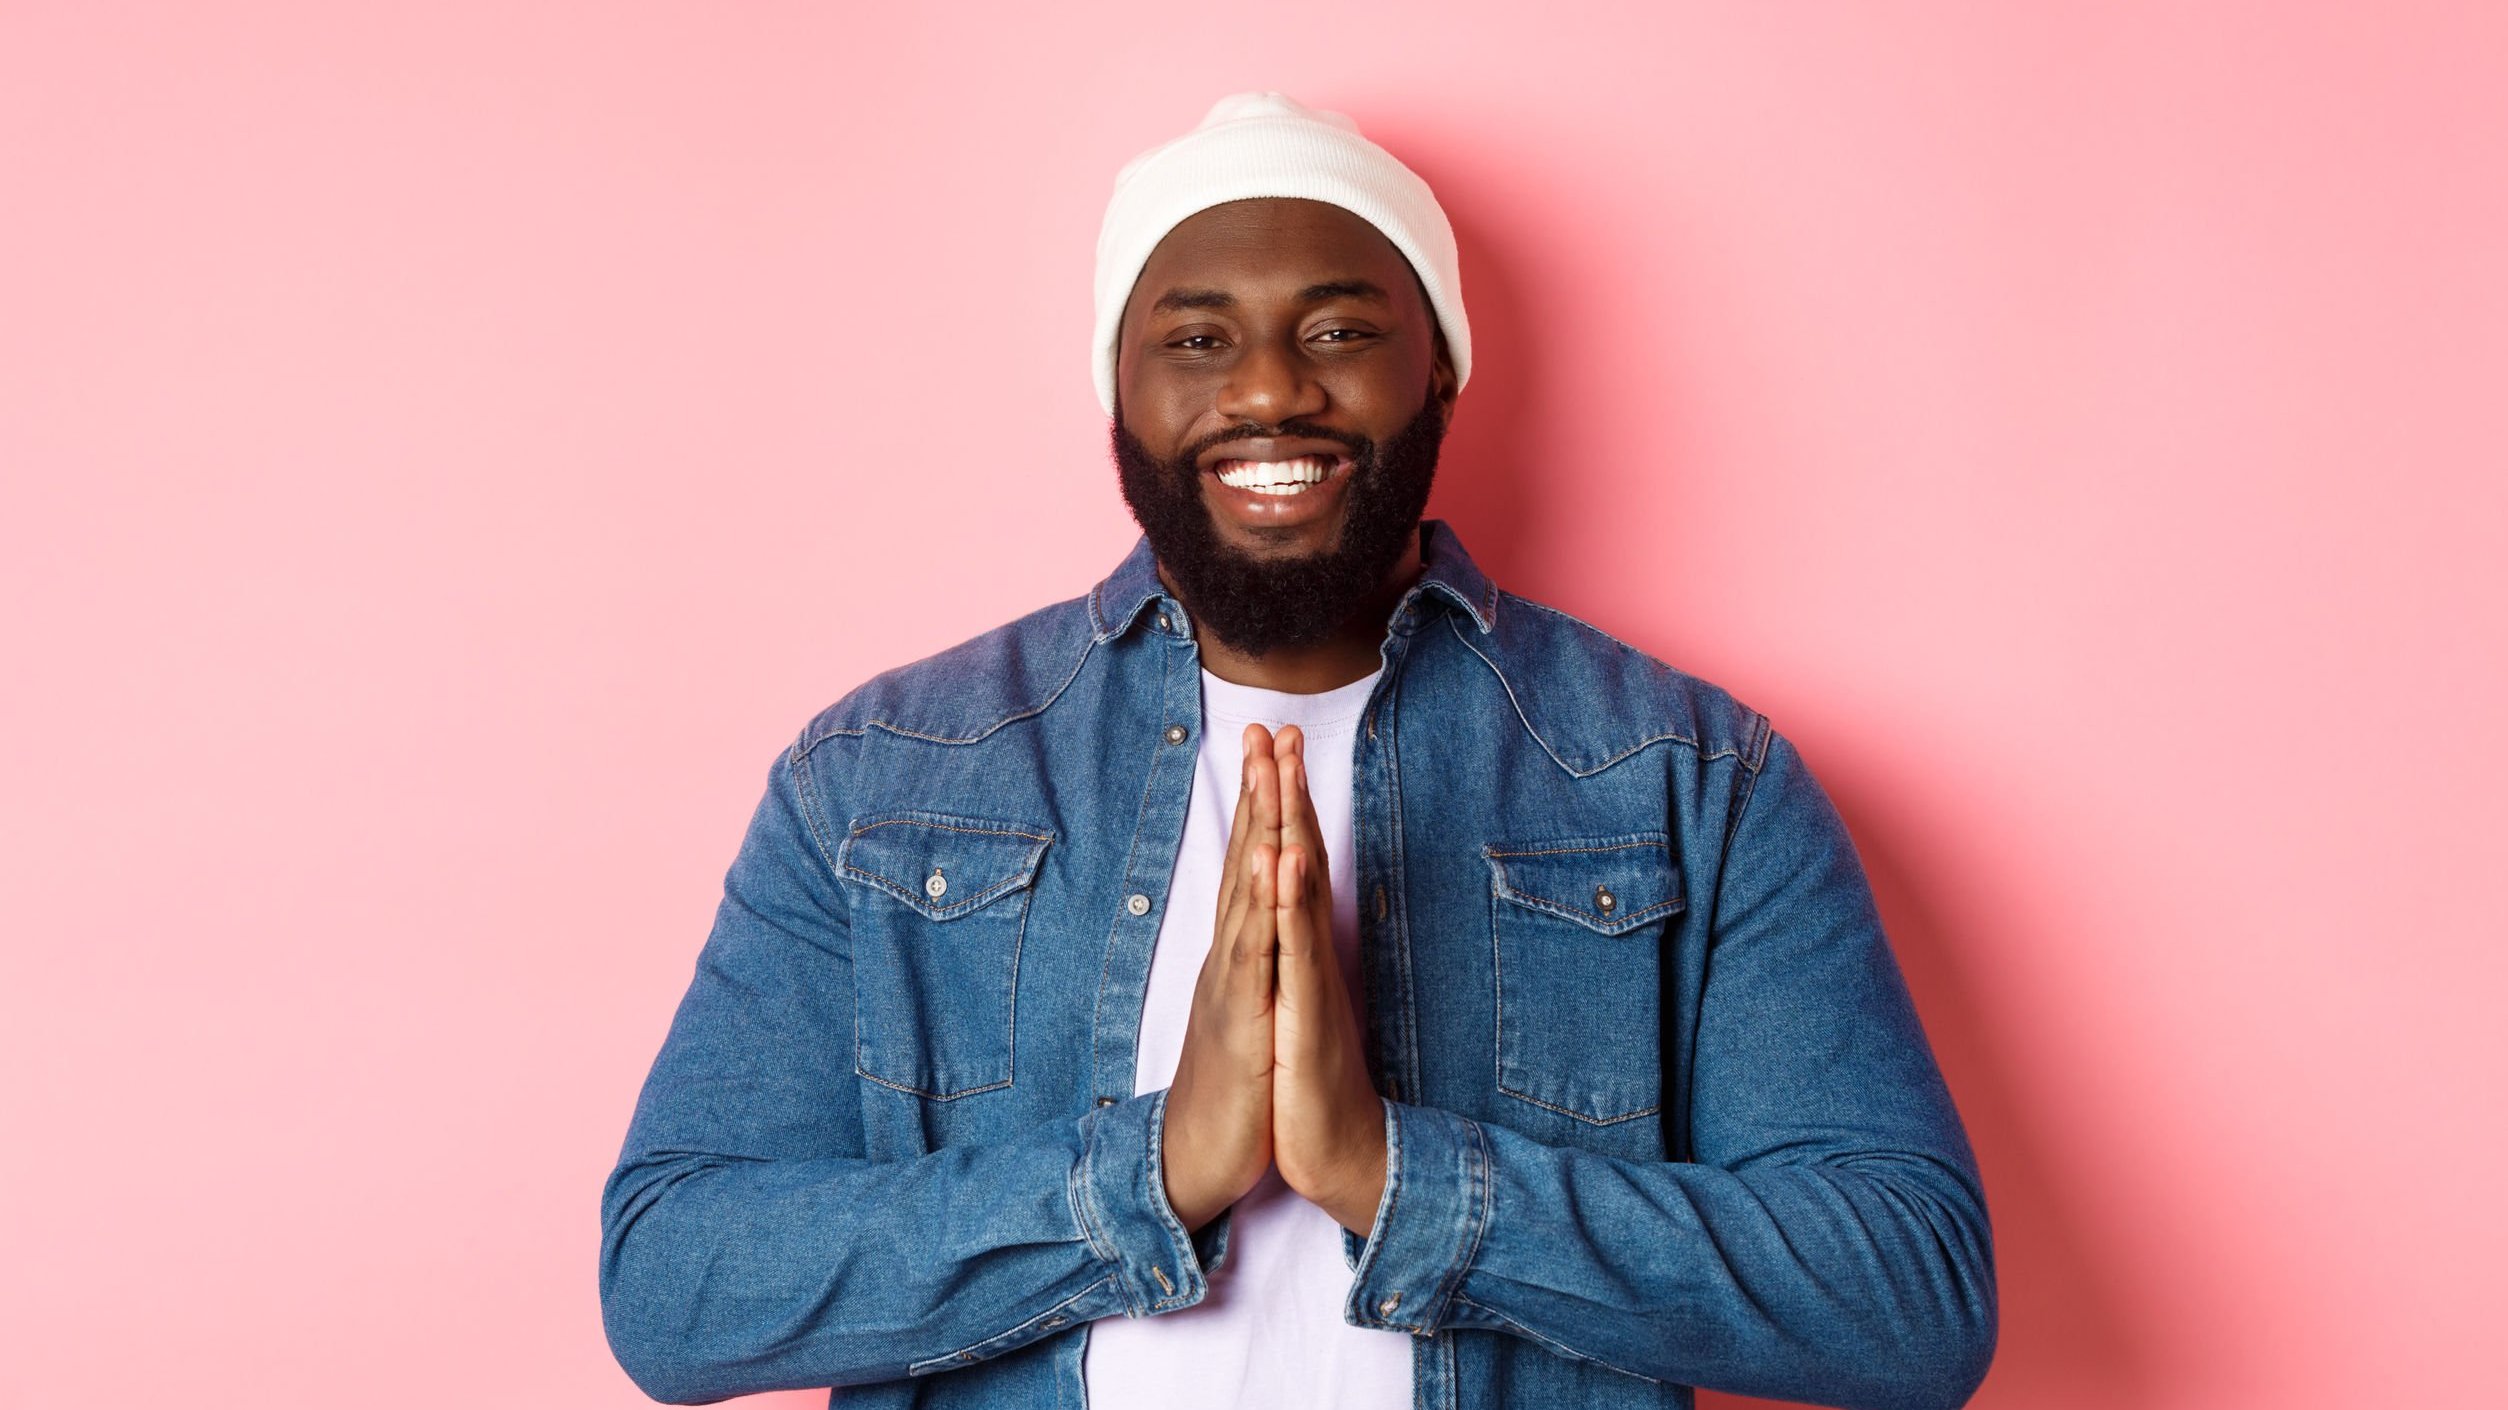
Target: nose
[(1269, 384)]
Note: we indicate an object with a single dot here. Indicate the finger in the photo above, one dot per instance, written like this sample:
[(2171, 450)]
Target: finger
[(1253, 958), (1299, 824), (1232, 870), (1300, 975), (1266, 785)]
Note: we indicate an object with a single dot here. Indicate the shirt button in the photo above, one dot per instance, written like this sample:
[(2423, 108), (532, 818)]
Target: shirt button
[(1105, 1101), (1174, 623), (1380, 903), (1604, 901), (1137, 903), (1175, 734), (935, 885), (1385, 1308)]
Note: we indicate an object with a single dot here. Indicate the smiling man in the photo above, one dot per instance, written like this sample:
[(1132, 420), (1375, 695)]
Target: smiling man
[(1296, 972)]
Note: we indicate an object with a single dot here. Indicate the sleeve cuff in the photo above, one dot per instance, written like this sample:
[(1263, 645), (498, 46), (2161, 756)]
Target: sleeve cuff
[(1428, 1223), (1119, 1190)]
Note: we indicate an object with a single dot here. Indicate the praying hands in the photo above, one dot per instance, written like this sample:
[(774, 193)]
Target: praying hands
[(1272, 1070)]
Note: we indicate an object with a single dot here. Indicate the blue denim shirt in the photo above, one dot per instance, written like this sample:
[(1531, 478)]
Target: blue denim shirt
[(1658, 1110)]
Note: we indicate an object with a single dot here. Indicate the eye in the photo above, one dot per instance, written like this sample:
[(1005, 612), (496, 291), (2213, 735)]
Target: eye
[(1356, 334), (1192, 338)]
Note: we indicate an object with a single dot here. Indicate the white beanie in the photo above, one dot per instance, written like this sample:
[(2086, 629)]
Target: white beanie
[(1269, 144)]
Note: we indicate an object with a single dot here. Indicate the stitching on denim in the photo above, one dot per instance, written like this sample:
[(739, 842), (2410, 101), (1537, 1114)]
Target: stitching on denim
[(980, 735), (1106, 961), (1568, 847), (1081, 1193), (1585, 1117), (1000, 1341), (1556, 1347), (1022, 883), (1476, 1168), (1010, 1064), (1004, 830), (953, 910), (922, 904), (1741, 804), (1646, 841), (869, 1076), (1592, 920), (1369, 1259), (1705, 755), (1498, 1005), (1538, 738), (1401, 889), (1103, 1238), (805, 793), (1606, 636), (1179, 1238), (1103, 625)]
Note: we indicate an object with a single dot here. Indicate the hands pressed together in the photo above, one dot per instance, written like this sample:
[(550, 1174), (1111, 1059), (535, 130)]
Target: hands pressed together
[(1273, 1071)]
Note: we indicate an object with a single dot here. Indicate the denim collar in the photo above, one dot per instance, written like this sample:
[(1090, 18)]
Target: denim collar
[(1445, 570)]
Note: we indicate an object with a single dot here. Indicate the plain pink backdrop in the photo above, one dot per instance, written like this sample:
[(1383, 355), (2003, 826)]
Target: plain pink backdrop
[(450, 448)]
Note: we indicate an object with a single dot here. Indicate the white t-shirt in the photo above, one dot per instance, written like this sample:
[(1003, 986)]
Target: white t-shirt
[(1269, 1334)]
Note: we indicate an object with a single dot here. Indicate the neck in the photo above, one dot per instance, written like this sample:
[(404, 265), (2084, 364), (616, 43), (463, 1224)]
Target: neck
[(1347, 655)]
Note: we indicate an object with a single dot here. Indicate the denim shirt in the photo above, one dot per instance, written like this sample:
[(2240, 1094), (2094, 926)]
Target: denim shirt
[(1659, 1112)]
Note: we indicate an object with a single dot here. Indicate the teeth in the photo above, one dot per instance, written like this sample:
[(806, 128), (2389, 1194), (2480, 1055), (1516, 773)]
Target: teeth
[(1275, 476)]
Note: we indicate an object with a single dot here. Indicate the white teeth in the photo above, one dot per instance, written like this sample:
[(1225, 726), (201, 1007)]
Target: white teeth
[(1275, 476)]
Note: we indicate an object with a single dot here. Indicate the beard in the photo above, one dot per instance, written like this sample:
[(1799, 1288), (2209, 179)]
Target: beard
[(1258, 605)]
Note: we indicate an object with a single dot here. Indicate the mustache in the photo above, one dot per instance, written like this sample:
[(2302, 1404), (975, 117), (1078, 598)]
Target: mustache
[(1358, 446)]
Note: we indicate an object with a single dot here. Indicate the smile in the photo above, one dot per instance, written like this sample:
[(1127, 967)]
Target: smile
[(1279, 477)]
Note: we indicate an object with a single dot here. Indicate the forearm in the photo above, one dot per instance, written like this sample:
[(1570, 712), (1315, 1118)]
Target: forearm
[(723, 1275), (1853, 1281)]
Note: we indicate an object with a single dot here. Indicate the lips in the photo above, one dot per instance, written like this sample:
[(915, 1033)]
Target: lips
[(1263, 476), (1270, 450), (1278, 476)]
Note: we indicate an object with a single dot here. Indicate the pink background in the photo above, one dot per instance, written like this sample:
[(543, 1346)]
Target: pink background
[(449, 448)]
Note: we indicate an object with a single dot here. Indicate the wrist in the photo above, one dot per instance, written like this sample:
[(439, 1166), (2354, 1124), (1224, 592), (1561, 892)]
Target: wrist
[(1350, 1189)]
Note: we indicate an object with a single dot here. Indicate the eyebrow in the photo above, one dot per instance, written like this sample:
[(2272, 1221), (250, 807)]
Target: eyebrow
[(1312, 293)]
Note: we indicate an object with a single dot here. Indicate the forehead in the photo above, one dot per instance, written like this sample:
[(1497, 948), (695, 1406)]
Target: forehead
[(1272, 243)]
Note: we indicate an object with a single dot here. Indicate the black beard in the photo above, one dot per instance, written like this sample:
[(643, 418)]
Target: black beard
[(1259, 605)]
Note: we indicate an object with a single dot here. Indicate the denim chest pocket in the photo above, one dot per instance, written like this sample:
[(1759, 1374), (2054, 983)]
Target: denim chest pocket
[(1576, 925), (941, 904)]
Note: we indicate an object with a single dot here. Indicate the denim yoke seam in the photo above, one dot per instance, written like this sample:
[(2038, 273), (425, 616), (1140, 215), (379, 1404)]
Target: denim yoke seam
[(1705, 755), (810, 743)]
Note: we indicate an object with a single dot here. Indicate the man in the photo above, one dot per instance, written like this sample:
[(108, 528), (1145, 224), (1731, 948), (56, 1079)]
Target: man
[(1296, 972)]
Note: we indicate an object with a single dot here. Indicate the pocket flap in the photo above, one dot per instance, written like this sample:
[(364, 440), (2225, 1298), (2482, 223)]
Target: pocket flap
[(943, 866), (1607, 884)]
